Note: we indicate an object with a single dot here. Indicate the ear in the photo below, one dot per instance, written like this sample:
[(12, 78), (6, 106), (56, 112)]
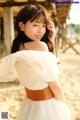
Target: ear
[(21, 26)]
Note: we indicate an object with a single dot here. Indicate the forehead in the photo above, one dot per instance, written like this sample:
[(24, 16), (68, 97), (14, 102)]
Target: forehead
[(29, 23), (34, 22), (40, 19)]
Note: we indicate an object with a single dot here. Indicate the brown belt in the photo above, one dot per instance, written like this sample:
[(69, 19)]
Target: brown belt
[(38, 95)]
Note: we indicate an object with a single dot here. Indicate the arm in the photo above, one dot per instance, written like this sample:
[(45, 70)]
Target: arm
[(56, 89)]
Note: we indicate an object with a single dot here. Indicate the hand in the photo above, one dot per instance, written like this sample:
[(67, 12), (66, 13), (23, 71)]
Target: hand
[(51, 29)]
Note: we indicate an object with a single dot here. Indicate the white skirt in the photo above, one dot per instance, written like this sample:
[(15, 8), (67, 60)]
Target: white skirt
[(51, 109)]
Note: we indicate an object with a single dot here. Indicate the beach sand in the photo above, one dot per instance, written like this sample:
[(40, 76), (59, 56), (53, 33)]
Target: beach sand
[(11, 94)]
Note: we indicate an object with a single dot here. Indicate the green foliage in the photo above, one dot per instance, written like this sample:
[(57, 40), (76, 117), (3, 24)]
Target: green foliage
[(76, 28)]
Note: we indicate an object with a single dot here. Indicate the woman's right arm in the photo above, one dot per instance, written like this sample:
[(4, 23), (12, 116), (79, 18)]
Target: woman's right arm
[(57, 91)]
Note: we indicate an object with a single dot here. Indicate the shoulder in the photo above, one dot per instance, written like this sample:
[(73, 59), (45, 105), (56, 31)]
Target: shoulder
[(36, 45), (39, 45)]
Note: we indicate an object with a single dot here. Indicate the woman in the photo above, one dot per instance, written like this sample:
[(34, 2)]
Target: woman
[(39, 18), (35, 67)]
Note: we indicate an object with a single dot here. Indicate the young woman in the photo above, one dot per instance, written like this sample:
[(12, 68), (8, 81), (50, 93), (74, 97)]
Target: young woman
[(33, 23), (35, 67)]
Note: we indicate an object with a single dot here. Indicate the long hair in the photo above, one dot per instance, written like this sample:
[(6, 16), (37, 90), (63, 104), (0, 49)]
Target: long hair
[(30, 13)]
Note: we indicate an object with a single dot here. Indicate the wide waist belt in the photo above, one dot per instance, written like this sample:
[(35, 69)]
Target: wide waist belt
[(38, 95)]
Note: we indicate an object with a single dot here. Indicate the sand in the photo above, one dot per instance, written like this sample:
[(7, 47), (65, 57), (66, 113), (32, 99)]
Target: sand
[(11, 94)]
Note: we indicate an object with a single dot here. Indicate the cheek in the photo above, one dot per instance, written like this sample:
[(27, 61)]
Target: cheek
[(44, 30), (27, 31)]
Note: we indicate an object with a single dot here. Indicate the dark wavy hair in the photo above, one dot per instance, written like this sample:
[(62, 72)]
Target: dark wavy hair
[(31, 13)]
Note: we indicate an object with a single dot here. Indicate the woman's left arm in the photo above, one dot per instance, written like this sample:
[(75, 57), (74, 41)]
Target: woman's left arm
[(57, 90)]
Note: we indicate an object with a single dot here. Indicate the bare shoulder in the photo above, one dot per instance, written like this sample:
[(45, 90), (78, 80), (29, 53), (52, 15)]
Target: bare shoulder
[(41, 46), (37, 45)]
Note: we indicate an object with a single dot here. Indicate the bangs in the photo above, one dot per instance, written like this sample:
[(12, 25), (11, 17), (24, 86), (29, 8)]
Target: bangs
[(40, 17)]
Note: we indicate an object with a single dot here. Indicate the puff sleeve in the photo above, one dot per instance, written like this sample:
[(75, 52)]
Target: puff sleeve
[(7, 69)]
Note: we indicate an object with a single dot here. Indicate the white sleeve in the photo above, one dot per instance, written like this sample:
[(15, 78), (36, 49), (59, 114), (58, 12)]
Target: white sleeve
[(7, 69)]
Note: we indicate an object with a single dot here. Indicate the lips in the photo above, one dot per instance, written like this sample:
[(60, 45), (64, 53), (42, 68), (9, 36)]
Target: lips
[(38, 36)]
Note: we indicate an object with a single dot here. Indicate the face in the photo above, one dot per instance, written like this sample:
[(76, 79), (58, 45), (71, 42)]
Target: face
[(34, 30)]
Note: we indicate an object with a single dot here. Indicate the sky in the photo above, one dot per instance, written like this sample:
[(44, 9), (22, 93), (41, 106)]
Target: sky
[(74, 14)]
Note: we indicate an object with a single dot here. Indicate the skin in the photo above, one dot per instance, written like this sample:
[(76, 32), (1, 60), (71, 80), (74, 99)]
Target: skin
[(35, 45), (35, 31), (51, 27), (54, 85), (57, 91)]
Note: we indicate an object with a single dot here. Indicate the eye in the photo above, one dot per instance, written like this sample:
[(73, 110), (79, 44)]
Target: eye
[(35, 25)]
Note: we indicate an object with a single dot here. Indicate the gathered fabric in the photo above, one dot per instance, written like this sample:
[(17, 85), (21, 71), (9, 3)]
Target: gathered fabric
[(34, 70)]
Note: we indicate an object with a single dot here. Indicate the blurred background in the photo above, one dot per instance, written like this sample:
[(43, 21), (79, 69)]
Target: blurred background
[(66, 18)]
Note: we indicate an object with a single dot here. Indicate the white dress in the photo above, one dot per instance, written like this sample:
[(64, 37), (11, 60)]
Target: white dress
[(34, 69)]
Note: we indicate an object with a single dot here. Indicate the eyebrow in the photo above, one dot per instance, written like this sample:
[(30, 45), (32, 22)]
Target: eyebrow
[(39, 22)]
